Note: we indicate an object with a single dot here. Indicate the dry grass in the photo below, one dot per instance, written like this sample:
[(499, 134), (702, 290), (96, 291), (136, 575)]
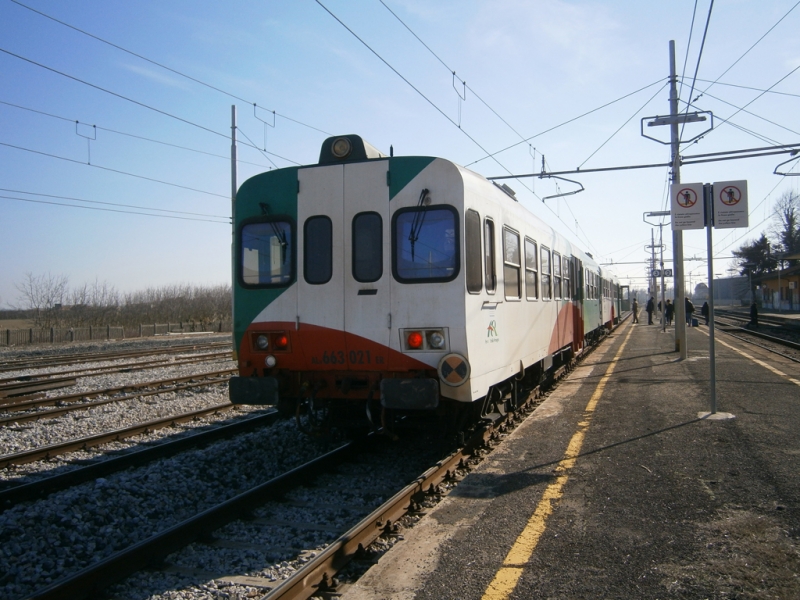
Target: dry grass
[(16, 323)]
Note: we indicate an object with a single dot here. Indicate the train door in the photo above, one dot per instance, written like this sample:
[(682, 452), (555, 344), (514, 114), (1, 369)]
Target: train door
[(321, 266), (367, 261), (576, 277)]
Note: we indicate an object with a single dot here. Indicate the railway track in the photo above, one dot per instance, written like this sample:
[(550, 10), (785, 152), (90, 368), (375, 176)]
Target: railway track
[(26, 384), (26, 363), (283, 532), (20, 403), (274, 506), (12, 493), (731, 325)]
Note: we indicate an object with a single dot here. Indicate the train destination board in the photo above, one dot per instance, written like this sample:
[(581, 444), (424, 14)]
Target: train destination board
[(730, 204), (686, 206)]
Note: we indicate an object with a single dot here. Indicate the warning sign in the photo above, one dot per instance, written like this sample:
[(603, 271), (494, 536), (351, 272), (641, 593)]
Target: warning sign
[(686, 206), (730, 204)]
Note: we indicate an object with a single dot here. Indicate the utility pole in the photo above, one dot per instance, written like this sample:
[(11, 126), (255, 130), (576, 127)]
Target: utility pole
[(677, 234), (234, 179)]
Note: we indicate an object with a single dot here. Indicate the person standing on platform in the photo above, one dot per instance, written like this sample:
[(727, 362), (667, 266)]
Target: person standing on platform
[(754, 315), (635, 310), (668, 312), (650, 308), (689, 310), (704, 311)]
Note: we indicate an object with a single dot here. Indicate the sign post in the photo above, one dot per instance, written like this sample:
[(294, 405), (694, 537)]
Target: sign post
[(721, 205)]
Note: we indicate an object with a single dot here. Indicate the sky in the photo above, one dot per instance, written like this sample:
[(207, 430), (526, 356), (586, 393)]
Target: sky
[(125, 106)]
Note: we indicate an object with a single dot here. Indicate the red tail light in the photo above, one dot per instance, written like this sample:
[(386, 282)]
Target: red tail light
[(281, 342), (415, 340)]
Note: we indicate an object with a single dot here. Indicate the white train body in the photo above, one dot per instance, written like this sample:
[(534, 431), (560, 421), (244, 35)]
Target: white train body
[(410, 278)]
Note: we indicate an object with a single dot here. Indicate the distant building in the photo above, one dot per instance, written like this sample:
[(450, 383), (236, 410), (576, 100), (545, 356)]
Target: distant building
[(731, 291), (780, 290)]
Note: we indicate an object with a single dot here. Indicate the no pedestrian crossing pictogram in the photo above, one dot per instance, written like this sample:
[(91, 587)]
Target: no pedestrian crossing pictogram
[(730, 195), (687, 197)]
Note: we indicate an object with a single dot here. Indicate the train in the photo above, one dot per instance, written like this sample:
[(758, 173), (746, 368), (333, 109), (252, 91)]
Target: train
[(366, 284)]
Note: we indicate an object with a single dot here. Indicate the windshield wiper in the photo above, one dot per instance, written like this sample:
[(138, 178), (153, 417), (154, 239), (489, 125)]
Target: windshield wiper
[(419, 219)]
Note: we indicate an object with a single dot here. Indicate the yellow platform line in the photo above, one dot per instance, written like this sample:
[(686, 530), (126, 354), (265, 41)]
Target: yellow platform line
[(767, 366), (507, 577)]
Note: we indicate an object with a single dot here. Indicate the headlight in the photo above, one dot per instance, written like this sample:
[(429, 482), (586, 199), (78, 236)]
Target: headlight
[(436, 340), (341, 147), (262, 342), (270, 361)]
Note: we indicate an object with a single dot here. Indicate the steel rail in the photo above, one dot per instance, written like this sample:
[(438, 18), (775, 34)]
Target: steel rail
[(313, 577), (55, 412), (90, 581), (23, 403), (18, 388), (21, 492), (129, 366), (317, 575), (52, 450), (66, 359)]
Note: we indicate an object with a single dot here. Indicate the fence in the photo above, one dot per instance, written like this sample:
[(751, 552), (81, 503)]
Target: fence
[(56, 335)]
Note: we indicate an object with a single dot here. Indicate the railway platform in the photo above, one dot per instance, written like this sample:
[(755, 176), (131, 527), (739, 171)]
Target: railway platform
[(615, 487)]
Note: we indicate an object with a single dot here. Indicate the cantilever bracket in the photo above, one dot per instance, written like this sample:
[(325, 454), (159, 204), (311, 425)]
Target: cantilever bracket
[(794, 157), (543, 175)]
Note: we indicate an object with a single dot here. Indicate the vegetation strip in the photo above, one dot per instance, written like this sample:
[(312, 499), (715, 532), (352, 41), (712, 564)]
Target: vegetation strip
[(37, 489)]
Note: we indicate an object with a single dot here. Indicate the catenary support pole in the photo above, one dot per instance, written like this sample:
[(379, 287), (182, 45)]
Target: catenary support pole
[(677, 235), (234, 179)]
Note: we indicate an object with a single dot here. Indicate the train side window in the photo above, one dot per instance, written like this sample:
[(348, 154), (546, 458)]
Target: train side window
[(556, 275), (511, 264), (472, 245), (425, 243), (267, 253), (367, 247), (531, 270), (569, 272), (545, 273), (318, 250), (488, 256)]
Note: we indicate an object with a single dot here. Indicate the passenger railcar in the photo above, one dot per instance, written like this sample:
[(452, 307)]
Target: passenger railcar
[(405, 282)]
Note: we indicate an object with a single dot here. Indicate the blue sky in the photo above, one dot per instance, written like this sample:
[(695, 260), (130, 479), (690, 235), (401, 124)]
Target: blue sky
[(161, 140)]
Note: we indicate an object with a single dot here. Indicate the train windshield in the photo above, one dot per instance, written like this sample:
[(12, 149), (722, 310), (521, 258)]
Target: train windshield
[(267, 253), (425, 244)]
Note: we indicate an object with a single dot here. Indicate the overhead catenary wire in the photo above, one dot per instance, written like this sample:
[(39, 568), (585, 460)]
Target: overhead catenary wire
[(123, 97), (623, 125), (161, 65), (80, 162), (429, 101), (143, 138), (128, 212), (567, 122), (746, 52), (697, 66), (450, 70), (178, 212)]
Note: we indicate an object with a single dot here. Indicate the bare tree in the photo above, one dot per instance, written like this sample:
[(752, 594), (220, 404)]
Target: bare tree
[(786, 226), (44, 296)]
